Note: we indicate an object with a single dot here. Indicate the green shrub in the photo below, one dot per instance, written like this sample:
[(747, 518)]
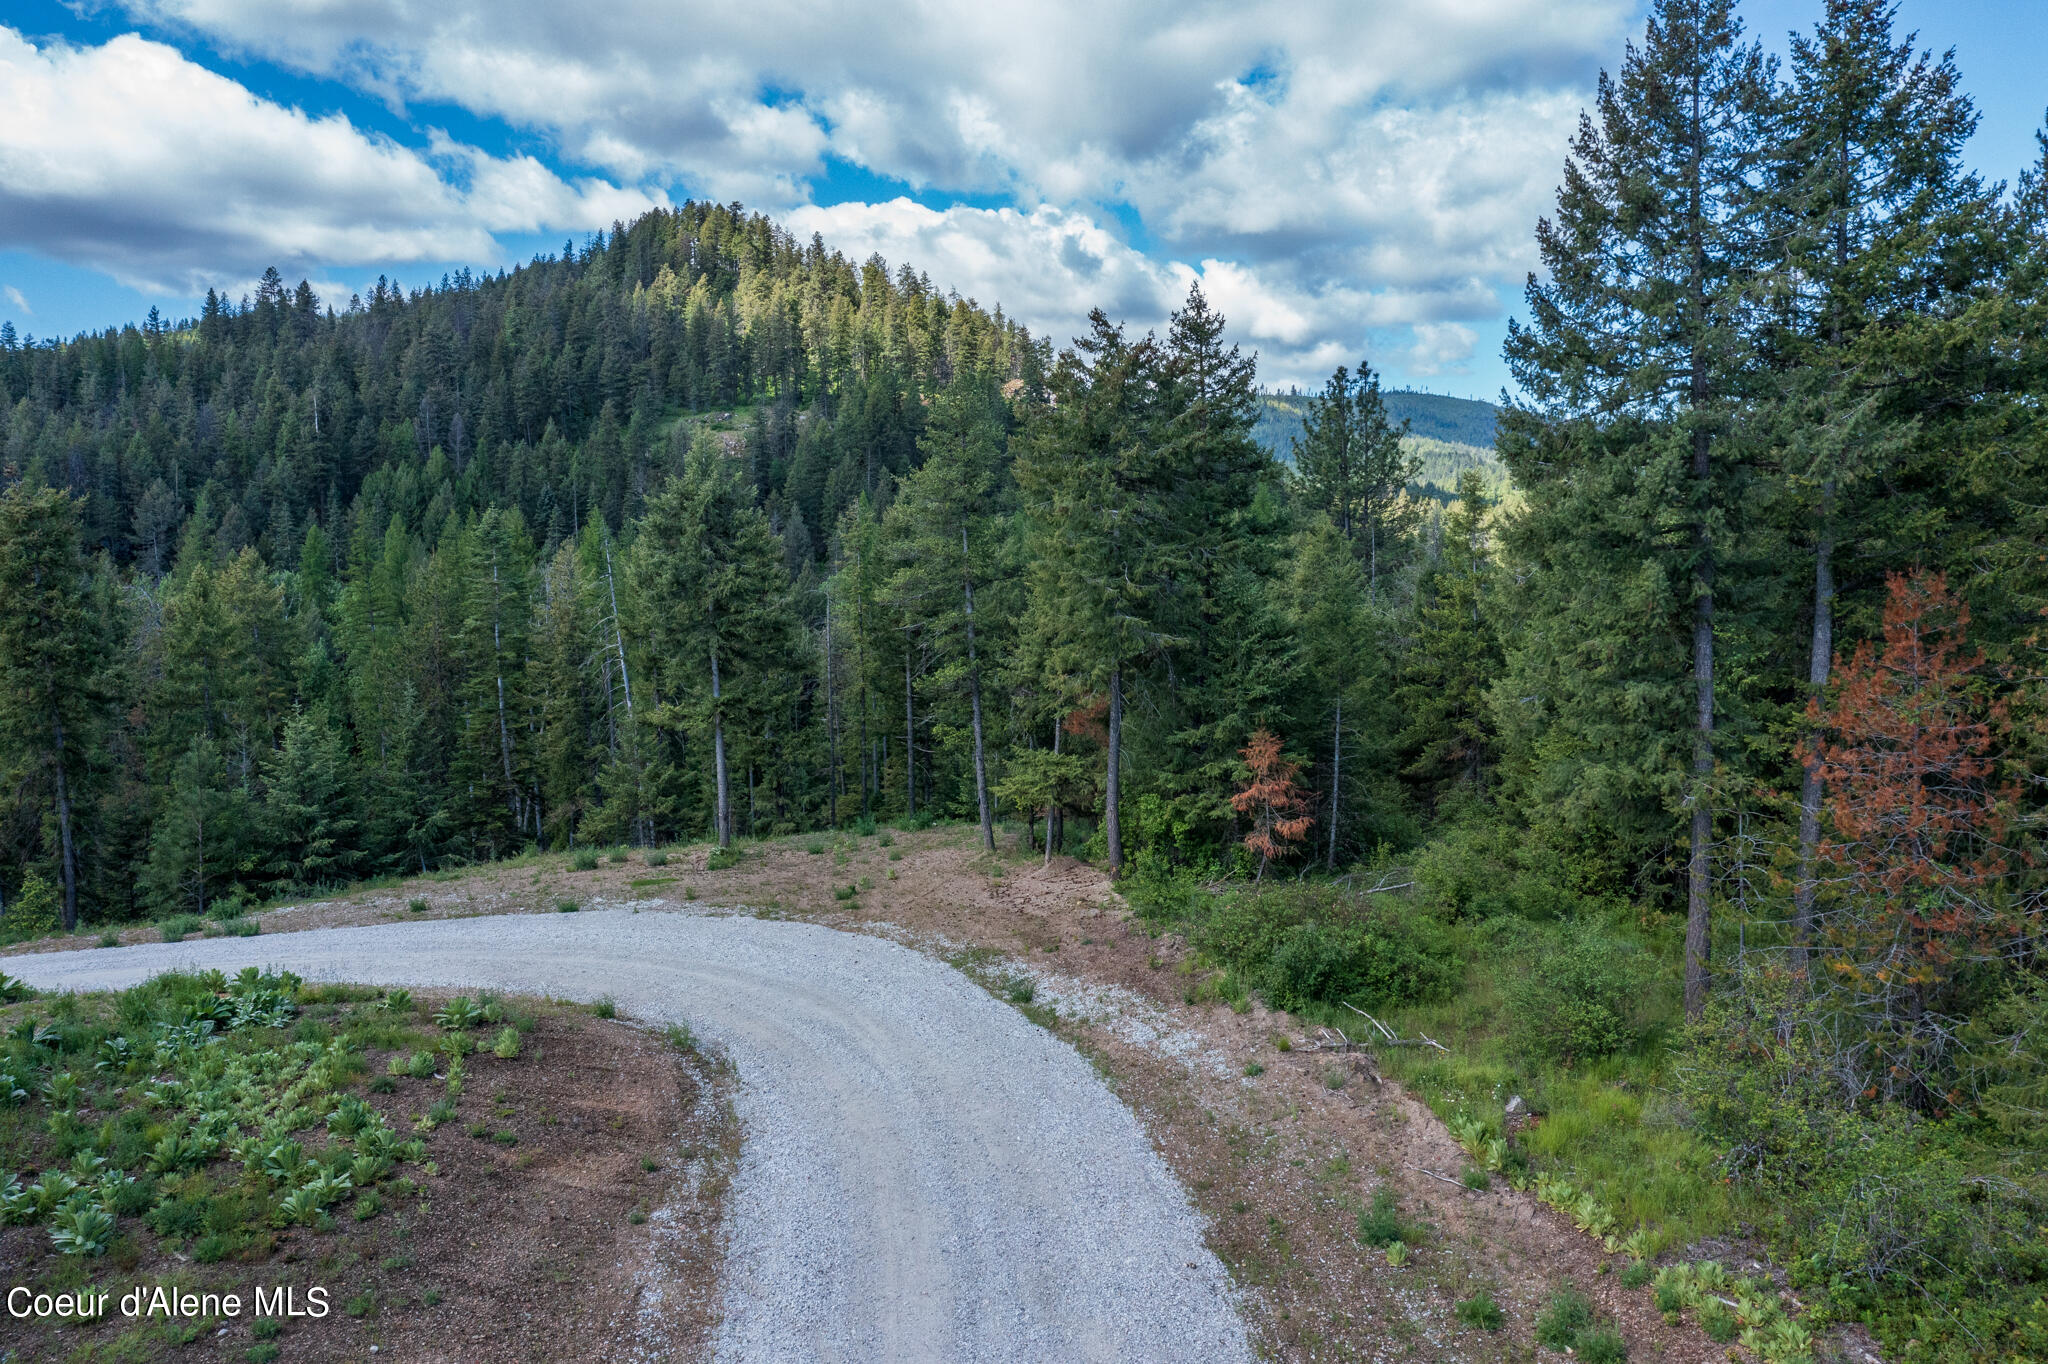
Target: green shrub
[(1021, 990), (656, 858), (1382, 1225), (583, 859), (33, 911), (618, 857), (1563, 1320), (722, 859), (1602, 1345), (566, 907), (182, 926), (1482, 1311), (418, 905), (1580, 997)]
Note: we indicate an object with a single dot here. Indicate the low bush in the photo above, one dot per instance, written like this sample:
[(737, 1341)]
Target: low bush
[(656, 858), (583, 859), (1315, 945), (1482, 1311), (1580, 996)]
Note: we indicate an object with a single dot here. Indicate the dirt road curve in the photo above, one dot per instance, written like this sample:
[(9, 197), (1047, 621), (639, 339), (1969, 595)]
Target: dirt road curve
[(927, 1175)]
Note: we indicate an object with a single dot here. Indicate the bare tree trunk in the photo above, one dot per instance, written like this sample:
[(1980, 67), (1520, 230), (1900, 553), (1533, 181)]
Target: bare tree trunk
[(1810, 789), (723, 815), (1336, 782), (1112, 824), (618, 635), (68, 850), (504, 732), (831, 711), (1698, 944), (988, 826), (909, 737)]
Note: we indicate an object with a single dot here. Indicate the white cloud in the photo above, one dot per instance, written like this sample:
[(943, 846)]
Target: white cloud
[(1441, 348), (1407, 145), (132, 159), (14, 296)]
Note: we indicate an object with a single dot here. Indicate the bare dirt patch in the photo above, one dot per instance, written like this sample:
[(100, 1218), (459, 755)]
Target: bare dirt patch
[(576, 1194)]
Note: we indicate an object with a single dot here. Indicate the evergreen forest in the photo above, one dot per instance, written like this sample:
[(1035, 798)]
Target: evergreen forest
[(1690, 742)]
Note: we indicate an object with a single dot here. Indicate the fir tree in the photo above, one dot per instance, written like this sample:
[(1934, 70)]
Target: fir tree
[(55, 658), (1650, 261)]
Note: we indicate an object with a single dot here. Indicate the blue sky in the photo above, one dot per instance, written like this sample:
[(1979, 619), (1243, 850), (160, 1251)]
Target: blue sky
[(1343, 179)]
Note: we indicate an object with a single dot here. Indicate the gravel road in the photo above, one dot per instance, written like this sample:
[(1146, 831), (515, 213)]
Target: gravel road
[(926, 1175)]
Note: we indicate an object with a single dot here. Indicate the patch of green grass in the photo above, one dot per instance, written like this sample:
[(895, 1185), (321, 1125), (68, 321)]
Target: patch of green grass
[(680, 1037), (618, 857), (266, 1328), (1254, 1069), (816, 847), (583, 859), (1561, 1322), (722, 859), (1021, 990), (263, 1352), (1475, 1179), (182, 926), (605, 1007), (1481, 1311), (656, 858), (1382, 1225), (845, 893), (109, 940), (566, 906), (418, 905), (1638, 1273)]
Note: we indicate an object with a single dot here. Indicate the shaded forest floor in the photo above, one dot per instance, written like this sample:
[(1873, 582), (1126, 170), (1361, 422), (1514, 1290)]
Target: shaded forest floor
[(1281, 1150)]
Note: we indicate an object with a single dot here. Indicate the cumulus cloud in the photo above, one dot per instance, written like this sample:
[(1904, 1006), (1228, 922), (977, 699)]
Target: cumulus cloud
[(1405, 148), (132, 159)]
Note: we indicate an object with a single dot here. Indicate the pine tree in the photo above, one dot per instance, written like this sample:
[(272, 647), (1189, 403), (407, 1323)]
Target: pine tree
[(1642, 318), (309, 807), (1339, 655), (1455, 656), (1873, 210), (55, 659), (711, 572), (1087, 476), (944, 533), (1349, 464)]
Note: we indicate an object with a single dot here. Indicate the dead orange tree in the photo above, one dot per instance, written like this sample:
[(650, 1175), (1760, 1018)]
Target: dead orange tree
[(1917, 885), (1278, 807)]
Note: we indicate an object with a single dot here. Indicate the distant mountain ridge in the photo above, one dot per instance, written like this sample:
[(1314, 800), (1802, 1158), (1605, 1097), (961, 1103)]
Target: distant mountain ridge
[(1458, 421), (1449, 435)]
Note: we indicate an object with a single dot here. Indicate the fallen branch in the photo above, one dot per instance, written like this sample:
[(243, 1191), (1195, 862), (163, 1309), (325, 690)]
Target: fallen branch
[(1423, 1040), (1434, 1175)]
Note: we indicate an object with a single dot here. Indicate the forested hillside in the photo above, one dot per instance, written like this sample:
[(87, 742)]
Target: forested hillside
[(1446, 436), (1433, 416), (700, 530)]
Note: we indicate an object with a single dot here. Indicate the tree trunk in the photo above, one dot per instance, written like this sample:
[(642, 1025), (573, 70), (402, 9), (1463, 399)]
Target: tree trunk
[(909, 737), (504, 731), (988, 825), (618, 635), (68, 849), (1112, 824), (723, 815), (1699, 881), (1052, 807), (1336, 782), (831, 712), (1810, 789)]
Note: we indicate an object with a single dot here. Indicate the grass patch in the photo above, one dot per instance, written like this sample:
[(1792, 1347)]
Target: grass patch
[(1481, 1311), (583, 859)]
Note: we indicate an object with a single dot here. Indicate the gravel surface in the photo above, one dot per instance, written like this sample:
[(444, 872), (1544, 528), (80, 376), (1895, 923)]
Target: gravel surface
[(927, 1175)]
